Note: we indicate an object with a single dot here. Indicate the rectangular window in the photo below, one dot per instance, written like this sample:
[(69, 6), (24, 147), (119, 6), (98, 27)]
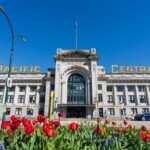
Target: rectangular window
[(100, 97), (145, 110), (111, 111), (120, 88), (18, 111), (99, 87), (1, 99), (109, 88), (41, 111), (141, 88), (131, 98), (134, 111), (42, 88), (29, 111), (110, 99), (12, 89), (32, 98), (33, 89), (131, 88), (52, 86), (8, 111), (10, 99), (22, 89), (123, 111), (120, 98), (142, 98), (1, 88), (21, 99), (42, 98)]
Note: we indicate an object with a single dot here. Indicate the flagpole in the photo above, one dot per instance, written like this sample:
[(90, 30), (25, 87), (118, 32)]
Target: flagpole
[(76, 34)]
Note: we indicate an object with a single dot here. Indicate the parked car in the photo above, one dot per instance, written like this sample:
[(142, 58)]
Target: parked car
[(143, 117)]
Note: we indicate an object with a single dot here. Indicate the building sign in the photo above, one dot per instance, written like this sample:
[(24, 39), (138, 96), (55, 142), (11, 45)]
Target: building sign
[(20, 69), (130, 69)]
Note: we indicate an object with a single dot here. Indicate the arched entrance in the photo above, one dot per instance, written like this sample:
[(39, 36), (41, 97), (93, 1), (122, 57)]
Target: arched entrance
[(76, 97)]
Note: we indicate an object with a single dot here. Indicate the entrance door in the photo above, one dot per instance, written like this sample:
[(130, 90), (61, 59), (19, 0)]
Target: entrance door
[(76, 112), (101, 112)]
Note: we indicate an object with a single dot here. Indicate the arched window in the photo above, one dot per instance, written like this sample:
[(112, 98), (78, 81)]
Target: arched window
[(76, 89)]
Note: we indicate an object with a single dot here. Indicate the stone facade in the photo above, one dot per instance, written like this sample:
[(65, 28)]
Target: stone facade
[(82, 89)]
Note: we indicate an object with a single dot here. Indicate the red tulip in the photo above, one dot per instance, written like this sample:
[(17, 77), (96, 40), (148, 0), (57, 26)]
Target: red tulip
[(144, 136), (34, 122), (10, 133), (98, 120), (15, 123), (143, 128), (98, 131), (107, 121), (73, 126), (61, 115), (50, 132), (5, 125), (41, 118), (56, 123), (125, 122), (113, 123), (29, 129)]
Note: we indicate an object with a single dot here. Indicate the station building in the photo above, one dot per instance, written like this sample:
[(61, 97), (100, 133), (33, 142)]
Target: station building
[(81, 87)]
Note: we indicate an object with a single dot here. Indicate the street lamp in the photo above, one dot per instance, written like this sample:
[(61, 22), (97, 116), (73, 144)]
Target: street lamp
[(31, 108), (9, 80)]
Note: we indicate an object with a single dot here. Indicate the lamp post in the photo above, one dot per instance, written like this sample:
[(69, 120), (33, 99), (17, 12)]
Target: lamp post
[(9, 80), (31, 108)]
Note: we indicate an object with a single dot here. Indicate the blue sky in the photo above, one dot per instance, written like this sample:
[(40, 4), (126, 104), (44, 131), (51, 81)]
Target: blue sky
[(118, 29)]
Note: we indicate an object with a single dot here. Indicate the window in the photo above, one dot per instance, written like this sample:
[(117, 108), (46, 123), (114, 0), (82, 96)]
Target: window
[(120, 98), (8, 111), (52, 86), (99, 87), (131, 98), (1, 98), (134, 111), (119, 88), (33, 89), (100, 99), (42, 98), (76, 89), (22, 89), (42, 89), (41, 111), (145, 110), (12, 89), (18, 111), (110, 99), (1, 88), (131, 88), (123, 111), (111, 111), (142, 98), (10, 99), (141, 88), (29, 111), (32, 98), (21, 99), (109, 88)]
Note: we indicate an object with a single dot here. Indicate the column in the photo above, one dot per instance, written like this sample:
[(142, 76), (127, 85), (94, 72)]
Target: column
[(27, 93), (47, 98), (148, 95), (137, 95), (115, 96), (37, 96), (126, 100), (88, 92), (104, 94), (16, 95)]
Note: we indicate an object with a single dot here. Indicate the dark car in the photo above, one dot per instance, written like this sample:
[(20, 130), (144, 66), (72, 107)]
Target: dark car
[(143, 117)]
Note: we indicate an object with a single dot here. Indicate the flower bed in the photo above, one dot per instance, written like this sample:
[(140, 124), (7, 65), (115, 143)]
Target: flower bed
[(43, 134)]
